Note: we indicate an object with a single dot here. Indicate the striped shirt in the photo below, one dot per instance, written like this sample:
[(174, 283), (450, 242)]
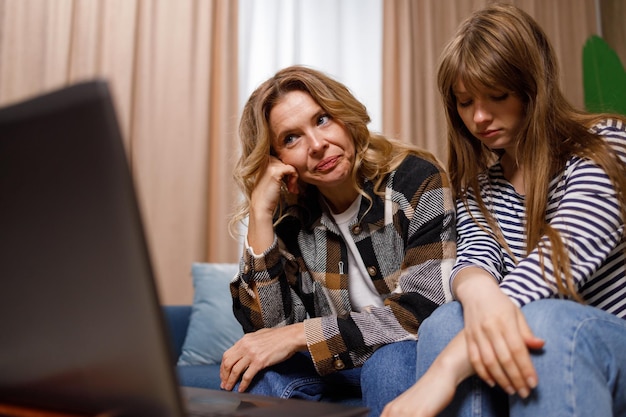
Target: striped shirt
[(582, 206)]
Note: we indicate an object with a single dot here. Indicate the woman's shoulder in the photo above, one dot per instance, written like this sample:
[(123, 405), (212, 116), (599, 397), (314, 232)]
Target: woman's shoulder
[(417, 173), (415, 163)]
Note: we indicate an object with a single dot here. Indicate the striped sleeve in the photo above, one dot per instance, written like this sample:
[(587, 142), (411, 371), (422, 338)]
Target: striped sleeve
[(584, 209)]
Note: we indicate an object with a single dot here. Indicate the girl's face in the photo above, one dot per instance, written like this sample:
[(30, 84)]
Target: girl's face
[(492, 115), (318, 147)]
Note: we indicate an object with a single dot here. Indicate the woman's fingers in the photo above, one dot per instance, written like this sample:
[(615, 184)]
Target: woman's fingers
[(258, 350), (234, 363), (248, 375)]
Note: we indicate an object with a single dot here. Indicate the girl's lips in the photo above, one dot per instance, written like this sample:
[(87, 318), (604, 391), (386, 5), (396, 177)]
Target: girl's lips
[(327, 164), (489, 133)]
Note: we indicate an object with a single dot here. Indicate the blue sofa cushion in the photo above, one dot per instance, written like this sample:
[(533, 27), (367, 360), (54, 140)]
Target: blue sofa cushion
[(212, 325), (199, 376), (177, 320)]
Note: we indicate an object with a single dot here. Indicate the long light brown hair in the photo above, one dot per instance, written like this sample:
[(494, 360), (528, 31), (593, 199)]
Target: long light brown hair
[(502, 46), (376, 155)]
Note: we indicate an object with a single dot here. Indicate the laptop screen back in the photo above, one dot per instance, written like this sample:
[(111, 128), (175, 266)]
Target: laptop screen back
[(80, 324)]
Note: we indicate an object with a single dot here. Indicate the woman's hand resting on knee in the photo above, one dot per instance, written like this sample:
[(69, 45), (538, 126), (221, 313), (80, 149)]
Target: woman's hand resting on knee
[(258, 350)]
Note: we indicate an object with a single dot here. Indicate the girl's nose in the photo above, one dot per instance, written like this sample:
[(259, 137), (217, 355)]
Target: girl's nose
[(481, 113)]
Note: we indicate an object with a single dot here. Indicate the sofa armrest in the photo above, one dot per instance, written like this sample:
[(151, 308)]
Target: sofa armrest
[(177, 319)]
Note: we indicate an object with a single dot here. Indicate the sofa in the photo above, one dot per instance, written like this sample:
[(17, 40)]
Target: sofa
[(202, 331)]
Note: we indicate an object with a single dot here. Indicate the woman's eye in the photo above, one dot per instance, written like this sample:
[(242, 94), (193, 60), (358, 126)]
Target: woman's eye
[(289, 139), (323, 119), (465, 103)]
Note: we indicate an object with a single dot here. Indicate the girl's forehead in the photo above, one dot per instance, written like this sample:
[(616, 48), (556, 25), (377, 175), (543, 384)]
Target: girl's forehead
[(474, 83)]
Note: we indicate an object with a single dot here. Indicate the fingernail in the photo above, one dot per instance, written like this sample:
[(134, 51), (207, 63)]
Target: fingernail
[(523, 393), (532, 382), (510, 390)]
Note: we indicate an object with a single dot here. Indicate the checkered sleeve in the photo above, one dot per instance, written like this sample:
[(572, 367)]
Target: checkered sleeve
[(262, 295)]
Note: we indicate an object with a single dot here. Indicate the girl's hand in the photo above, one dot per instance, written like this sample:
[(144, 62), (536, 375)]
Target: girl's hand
[(498, 337)]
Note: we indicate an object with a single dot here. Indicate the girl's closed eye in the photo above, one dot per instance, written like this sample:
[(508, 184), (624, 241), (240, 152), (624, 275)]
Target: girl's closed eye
[(500, 97), (464, 103)]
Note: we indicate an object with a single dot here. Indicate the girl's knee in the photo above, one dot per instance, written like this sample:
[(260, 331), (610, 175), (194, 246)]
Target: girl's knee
[(550, 316)]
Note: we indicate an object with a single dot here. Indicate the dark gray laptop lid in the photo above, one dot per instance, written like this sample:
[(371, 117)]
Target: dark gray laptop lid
[(81, 326), (78, 304)]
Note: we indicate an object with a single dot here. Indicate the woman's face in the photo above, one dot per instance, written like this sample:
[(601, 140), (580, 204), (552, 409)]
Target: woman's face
[(307, 138), (492, 115)]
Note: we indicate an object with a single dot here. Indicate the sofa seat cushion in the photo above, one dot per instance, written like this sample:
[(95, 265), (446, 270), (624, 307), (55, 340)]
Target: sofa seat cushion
[(199, 376)]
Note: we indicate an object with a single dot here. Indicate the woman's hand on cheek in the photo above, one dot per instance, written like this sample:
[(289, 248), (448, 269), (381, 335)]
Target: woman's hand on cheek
[(271, 182), (264, 199)]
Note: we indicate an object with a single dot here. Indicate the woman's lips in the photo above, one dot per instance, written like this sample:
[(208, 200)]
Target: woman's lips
[(327, 164)]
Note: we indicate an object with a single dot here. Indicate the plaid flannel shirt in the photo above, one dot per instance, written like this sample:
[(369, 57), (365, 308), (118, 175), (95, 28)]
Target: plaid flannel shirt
[(407, 241)]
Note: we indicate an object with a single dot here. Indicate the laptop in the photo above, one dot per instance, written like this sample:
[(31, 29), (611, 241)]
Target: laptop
[(81, 326)]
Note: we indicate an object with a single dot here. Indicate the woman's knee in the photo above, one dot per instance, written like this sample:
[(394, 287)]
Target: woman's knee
[(444, 323), (398, 356)]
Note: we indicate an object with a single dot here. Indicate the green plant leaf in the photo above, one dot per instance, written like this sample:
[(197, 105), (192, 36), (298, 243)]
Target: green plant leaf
[(604, 78)]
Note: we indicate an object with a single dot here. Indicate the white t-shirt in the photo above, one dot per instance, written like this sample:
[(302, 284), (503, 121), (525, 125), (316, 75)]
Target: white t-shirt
[(363, 295)]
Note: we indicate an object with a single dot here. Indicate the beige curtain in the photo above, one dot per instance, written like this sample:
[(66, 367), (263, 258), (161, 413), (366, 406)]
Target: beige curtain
[(415, 32), (172, 70), (613, 18)]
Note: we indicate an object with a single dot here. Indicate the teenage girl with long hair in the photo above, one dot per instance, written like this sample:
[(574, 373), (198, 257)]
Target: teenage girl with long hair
[(540, 276)]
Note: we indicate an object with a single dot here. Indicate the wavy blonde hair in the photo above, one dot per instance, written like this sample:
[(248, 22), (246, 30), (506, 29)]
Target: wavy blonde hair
[(502, 46), (376, 155)]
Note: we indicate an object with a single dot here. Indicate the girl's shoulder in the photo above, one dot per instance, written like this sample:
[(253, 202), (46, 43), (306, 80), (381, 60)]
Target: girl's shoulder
[(610, 127), (613, 130)]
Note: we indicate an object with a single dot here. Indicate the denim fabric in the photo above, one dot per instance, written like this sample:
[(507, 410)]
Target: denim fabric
[(473, 397), (581, 369), (385, 375), (388, 373)]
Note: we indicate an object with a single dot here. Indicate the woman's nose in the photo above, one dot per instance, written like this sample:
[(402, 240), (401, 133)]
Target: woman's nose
[(316, 142)]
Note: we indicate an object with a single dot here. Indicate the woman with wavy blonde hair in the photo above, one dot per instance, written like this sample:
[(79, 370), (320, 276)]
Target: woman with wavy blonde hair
[(349, 242), (540, 275)]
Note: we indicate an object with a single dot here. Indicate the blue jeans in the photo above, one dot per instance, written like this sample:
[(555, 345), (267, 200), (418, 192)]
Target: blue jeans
[(385, 375), (581, 369)]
